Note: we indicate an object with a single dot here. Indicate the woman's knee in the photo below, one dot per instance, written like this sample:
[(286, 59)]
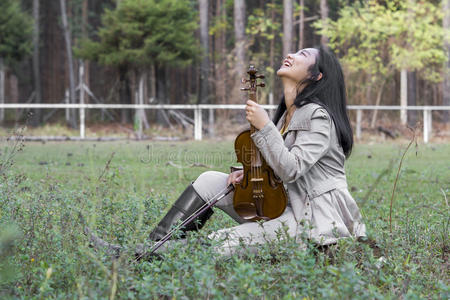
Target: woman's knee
[(210, 183)]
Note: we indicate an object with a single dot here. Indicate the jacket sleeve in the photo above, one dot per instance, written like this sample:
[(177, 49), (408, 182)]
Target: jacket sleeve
[(309, 146)]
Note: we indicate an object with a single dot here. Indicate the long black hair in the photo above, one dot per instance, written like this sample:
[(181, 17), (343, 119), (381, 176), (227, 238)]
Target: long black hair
[(329, 92)]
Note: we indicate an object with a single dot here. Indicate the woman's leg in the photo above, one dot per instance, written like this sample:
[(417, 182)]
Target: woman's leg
[(252, 234), (208, 184), (188, 203)]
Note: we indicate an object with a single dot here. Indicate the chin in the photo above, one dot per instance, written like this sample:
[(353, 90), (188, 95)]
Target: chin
[(282, 72)]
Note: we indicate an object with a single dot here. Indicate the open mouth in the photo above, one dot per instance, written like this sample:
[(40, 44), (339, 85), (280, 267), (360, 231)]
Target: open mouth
[(287, 63)]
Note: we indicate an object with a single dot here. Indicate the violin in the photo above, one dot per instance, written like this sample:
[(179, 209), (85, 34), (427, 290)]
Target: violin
[(260, 195)]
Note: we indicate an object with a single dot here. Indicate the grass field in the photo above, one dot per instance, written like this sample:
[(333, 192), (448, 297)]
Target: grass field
[(43, 253)]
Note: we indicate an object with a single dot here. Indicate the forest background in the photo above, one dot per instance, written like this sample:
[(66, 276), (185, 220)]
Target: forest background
[(188, 52)]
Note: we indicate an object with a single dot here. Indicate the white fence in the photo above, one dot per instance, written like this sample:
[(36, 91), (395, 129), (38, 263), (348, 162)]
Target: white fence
[(427, 110)]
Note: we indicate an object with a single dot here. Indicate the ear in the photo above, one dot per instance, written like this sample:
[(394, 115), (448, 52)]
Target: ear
[(319, 76)]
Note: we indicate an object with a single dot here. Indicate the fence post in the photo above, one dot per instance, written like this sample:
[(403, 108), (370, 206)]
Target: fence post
[(198, 124), (425, 126), (195, 123), (82, 120), (430, 121), (66, 101), (271, 112), (403, 96), (211, 122), (358, 123), (82, 112)]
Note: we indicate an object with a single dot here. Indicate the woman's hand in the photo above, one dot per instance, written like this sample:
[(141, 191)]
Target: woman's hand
[(256, 115), (235, 177)]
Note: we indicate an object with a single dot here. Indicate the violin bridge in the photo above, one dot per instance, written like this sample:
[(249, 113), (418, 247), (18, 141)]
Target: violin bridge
[(256, 179)]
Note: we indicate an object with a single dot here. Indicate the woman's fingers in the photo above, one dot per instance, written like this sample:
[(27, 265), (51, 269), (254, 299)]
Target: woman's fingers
[(235, 177), (229, 179), (239, 178)]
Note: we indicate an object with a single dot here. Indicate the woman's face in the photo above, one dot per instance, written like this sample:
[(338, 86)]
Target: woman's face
[(295, 66)]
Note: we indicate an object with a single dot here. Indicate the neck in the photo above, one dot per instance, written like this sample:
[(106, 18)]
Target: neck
[(290, 92)]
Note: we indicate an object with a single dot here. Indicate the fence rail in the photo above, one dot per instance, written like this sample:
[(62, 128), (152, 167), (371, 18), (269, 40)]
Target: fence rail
[(427, 110)]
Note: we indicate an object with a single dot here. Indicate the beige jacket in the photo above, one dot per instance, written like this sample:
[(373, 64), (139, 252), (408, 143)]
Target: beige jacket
[(310, 162)]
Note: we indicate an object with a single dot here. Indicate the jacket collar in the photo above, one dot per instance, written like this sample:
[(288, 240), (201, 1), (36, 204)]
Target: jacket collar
[(298, 120)]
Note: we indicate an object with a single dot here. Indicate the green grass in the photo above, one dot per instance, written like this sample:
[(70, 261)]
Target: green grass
[(43, 253)]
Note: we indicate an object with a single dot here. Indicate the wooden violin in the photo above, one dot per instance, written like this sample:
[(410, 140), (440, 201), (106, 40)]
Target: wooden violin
[(261, 194)]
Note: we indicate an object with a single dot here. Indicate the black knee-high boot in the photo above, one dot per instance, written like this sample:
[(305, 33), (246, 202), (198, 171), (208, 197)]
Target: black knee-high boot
[(186, 204)]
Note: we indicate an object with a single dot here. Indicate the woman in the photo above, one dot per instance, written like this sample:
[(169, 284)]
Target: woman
[(313, 122), (306, 145)]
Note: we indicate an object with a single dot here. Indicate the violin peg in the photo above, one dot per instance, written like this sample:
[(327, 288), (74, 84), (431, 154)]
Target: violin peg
[(260, 76), (243, 80), (261, 84), (245, 89)]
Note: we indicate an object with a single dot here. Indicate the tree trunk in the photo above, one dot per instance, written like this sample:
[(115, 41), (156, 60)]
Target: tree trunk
[(378, 101), (161, 93), (67, 38), (142, 117), (411, 78), (368, 91), (145, 97), (287, 27), (412, 98), (301, 26), (2, 89), (152, 91), (37, 117), (324, 16), (446, 83), (220, 45), (239, 32), (204, 65), (84, 16), (137, 116), (272, 86), (124, 94)]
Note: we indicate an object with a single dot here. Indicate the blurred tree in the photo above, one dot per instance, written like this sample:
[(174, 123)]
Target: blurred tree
[(287, 27), (218, 30), (324, 17), (380, 39), (36, 70), (68, 41), (446, 89), (262, 31), (240, 46), (140, 34), (301, 25), (204, 39), (15, 39)]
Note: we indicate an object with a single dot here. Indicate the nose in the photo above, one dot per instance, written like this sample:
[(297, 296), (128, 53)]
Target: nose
[(289, 55)]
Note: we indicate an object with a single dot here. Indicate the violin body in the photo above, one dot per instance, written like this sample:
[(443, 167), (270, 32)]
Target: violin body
[(261, 194)]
